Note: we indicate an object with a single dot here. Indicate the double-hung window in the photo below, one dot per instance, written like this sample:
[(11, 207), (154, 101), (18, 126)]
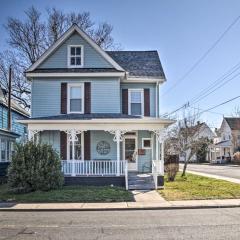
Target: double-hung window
[(135, 104), (75, 98), (75, 56)]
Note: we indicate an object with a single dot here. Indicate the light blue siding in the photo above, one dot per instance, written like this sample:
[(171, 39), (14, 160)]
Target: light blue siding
[(16, 127), (51, 138), (97, 136), (92, 59), (46, 95), (144, 161), (151, 86)]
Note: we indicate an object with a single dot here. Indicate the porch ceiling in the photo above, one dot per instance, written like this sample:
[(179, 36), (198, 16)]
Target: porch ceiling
[(124, 124)]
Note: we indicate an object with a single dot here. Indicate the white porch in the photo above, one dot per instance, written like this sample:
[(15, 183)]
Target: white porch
[(117, 128)]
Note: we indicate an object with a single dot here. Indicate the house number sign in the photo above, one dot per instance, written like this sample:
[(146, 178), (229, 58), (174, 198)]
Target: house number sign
[(103, 148)]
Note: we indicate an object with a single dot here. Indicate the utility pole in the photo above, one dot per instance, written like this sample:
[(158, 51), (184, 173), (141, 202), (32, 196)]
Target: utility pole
[(9, 99)]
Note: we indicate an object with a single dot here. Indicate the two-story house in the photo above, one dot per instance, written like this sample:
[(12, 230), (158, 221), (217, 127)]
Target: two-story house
[(228, 139), (200, 130), (99, 109)]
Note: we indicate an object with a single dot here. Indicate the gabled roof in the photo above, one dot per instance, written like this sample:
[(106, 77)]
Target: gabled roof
[(69, 32), (233, 122), (139, 63)]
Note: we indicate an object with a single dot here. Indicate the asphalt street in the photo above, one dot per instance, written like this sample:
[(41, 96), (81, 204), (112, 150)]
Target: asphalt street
[(144, 224), (232, 171)]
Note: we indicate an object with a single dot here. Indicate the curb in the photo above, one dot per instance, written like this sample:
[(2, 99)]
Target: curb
[(116, 209)]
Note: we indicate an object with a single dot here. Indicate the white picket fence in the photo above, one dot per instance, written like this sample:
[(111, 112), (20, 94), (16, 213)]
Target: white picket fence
[(93, 168)]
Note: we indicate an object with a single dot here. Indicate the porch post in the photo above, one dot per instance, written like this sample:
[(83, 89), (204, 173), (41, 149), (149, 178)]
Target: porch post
[(118, 135), (157, 145), (72, 137), (118, 138), (160, 140)]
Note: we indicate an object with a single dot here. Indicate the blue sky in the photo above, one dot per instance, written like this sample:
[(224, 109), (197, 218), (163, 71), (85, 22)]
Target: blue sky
[(180, 30)]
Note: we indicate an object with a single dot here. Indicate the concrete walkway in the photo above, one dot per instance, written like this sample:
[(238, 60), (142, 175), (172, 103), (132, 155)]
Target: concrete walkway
[(233, 180), (143, 200)]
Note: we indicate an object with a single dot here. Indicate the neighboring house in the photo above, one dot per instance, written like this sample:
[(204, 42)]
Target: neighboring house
[(8, 135), (97, 108), (228, 141), (200, 130)]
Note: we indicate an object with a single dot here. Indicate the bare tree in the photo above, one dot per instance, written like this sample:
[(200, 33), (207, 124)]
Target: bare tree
[(31, 36), (184, 138), (20, 87), (236, 111), (27, 36)]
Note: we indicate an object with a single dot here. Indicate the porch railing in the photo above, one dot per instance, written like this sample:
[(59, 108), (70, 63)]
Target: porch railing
[(93, 168)]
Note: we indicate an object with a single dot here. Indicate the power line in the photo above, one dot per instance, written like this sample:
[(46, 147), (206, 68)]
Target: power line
[(218, 105), (214, 85), (203, 56), (217, 81)]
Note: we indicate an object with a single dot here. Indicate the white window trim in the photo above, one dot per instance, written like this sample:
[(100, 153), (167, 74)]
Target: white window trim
[(69, 56), (82, 150), (143, 139), (142, 100), (68, 96)]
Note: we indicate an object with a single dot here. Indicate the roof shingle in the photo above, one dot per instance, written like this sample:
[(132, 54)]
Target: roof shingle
[(139, 63), (233, 122)]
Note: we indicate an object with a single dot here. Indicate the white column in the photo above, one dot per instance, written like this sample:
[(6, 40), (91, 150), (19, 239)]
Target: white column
[(73, 160), (162, 159), (118, 136), (157, 145)]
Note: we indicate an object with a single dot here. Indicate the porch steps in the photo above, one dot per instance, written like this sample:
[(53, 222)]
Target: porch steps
[(137, 181)]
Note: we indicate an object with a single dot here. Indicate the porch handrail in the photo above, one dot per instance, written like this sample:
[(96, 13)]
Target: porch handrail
[(92, 167)]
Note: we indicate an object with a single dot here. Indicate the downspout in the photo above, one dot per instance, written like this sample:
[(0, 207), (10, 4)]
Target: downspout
[(157, 99)]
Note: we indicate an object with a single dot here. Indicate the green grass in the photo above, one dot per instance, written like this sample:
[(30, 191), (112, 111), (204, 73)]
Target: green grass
[(194, 187), (69, 194)]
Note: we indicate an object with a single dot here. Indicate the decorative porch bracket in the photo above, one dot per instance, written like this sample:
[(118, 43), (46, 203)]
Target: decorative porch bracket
[(118, 138), (160, 137), (72, 137), (32, 133)]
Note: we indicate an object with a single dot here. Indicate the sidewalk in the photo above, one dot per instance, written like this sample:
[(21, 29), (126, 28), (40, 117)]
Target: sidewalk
[(143, 201), (233, 180)]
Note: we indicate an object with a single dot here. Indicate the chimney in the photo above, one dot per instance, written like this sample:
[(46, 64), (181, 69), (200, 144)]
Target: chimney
[(9, 126), (198, 122)]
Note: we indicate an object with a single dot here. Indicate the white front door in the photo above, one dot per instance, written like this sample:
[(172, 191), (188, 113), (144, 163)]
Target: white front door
[(130, 152)]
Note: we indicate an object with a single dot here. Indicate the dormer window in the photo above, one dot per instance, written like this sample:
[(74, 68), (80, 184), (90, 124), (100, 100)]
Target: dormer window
[(75, 56)]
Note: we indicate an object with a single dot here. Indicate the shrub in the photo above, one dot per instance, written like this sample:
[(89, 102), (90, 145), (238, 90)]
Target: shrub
[(35, 167), (171, 166)]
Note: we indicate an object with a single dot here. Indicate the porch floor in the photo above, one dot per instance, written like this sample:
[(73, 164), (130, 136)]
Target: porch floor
[(137, 181)]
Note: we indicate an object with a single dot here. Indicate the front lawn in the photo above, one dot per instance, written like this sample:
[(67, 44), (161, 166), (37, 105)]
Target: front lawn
[(194, 187), (69, 194)]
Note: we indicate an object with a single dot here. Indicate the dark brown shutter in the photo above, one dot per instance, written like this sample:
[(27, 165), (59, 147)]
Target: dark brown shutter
[(63, 98), (125, 101), (87, 145), (63, 145), (87, 97), (146, 102)]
